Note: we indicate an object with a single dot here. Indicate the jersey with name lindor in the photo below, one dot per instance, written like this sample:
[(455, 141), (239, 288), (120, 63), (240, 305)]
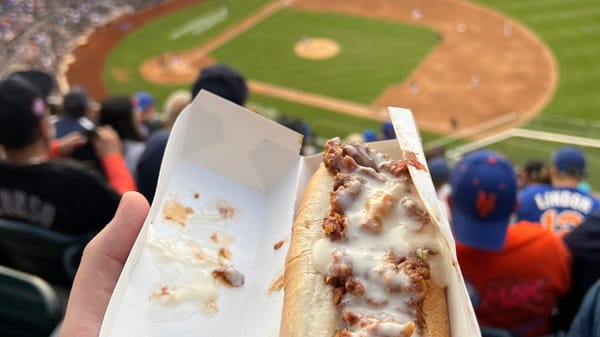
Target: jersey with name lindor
[(558, 209), (520, 285)]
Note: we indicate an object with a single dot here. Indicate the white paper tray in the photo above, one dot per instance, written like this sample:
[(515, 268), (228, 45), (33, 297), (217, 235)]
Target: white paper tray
[(220, 151)]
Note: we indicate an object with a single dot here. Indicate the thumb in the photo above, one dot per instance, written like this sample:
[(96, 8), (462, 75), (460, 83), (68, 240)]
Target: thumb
[(117, 238), (101, 265)]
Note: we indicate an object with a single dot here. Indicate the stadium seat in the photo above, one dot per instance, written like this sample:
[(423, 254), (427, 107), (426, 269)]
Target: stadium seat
[(39, 251), (30, 308)]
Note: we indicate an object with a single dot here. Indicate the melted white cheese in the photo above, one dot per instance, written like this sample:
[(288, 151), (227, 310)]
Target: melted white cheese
[(364, 251)]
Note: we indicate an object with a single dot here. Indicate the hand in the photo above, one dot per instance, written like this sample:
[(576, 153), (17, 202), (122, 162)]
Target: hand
[(102, 262), (106, 141), (71, 142)]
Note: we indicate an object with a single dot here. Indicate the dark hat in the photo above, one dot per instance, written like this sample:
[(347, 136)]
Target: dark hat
[(224, 81), (484, 189), (439, 169), (570, 160), (21, 108), (41, 80), (76, 103)]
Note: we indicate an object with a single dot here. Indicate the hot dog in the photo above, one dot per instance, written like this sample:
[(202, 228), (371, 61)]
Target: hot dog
[(365, 259)]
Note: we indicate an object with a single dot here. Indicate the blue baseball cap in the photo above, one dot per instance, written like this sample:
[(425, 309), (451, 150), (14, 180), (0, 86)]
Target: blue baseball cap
[(143, 100), (439, 169), (484, 192), (370, 135), (387, 129), (569, 160)]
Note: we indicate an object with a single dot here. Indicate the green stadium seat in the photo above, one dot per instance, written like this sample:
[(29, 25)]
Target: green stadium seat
[(39, 251), (30, 307)]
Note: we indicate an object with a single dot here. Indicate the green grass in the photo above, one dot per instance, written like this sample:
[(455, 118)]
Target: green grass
[(154, 39), (374, 53), (324, 123), (377, 53), (571, 28)]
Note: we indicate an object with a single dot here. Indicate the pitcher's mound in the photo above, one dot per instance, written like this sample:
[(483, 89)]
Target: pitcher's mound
[(317, 48)]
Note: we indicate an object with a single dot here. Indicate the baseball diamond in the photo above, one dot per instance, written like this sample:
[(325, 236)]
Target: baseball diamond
[(457, 65)]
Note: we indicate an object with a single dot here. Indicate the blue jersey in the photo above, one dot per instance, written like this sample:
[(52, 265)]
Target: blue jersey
[(559, 209)]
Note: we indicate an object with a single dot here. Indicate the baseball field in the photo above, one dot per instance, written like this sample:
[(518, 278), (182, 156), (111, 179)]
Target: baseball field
[(460, 66)]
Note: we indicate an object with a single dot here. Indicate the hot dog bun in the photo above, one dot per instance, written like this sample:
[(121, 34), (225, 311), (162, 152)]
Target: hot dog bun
[(313, 303)]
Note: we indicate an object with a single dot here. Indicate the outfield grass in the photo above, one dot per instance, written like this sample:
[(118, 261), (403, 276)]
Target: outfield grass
[(571, 28), (324, 123), (374, 53)]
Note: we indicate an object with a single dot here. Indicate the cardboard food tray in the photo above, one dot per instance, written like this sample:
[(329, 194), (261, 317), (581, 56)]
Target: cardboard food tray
[(222, 154)]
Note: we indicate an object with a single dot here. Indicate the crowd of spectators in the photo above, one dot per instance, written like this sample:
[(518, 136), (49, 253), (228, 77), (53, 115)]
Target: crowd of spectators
[(536, 230), (39, 33), (538, 267)]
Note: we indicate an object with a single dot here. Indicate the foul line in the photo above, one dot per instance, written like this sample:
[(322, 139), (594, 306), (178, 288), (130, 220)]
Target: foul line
[(457, 152), (314, 100)]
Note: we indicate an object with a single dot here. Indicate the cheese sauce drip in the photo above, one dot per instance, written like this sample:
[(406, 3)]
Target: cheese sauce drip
[(380, 246)]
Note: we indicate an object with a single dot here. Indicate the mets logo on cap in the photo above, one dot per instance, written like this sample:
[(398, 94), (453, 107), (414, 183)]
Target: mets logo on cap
[(484, 192)]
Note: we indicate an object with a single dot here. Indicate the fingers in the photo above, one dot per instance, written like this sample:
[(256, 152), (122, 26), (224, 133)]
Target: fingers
[(100, 267), (106, 141), (106, 131), (71, 142)]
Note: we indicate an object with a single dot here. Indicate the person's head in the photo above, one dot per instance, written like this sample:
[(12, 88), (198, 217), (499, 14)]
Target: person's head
[(568, 166), (145, 104), (44, 82), (174, 104), (77, 103), (484, 195), (118, 111), (533, 172), (23, 115), (387, 130), (439, 170), (370, 135), (224, 81)]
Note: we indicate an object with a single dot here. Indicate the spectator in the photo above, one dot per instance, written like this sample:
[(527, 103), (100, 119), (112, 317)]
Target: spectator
[(222, 80), (587, 321), (174, 105), (118, 111), (300, 126), (370, 135), (76, 116), (559, 207), (387, 130), (67, 143), (584, 244), (56, 194), (146, 105), (533, 172), (219, 79), (526, 267), (440, 176)]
